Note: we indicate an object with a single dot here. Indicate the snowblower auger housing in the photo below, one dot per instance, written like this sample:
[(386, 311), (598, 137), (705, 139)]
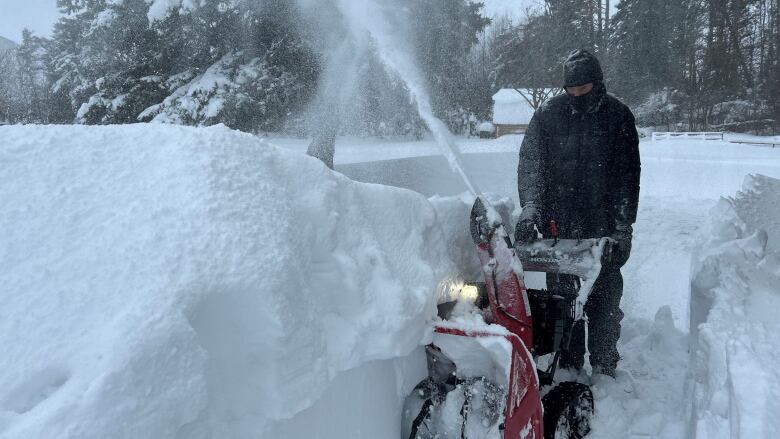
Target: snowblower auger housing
[(482, 378)]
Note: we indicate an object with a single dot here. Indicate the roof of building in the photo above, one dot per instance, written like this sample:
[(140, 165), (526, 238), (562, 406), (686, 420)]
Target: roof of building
[(507, 95), (511, 108)]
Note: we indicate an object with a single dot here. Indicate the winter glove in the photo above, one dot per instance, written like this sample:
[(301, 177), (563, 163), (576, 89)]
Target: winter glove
[(620, 246), (530, 218)]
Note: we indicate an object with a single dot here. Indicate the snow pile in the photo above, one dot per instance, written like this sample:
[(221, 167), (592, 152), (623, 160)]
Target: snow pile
[(171, 282), (734, 324)]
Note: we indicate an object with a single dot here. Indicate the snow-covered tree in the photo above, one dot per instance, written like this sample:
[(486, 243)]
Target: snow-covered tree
[(24, 84), (241, 63), (7, 89), (444, 32)]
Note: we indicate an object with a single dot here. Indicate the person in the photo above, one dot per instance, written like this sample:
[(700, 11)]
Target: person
[(579, 166)]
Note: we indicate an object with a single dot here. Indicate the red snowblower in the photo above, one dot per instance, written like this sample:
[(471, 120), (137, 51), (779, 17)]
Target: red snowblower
[(483, 380)]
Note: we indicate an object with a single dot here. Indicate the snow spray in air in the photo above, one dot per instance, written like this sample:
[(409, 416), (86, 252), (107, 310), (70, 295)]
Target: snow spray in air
[(367, 18)]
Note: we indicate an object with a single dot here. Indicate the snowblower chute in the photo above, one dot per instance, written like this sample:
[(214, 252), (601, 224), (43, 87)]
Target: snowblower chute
[(482, 379)]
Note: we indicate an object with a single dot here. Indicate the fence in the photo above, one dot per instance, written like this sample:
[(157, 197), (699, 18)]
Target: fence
[(702, 135), (767, 141)]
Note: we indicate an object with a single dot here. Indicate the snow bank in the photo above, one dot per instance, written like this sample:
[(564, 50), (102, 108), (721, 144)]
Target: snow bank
[(352, 150), (173, 282), (734, 325)]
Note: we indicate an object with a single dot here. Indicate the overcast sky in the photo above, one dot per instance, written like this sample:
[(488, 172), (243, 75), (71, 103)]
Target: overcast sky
[(517, 8), (36, 15)]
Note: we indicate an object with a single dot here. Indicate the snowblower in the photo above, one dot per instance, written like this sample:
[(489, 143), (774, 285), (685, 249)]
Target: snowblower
[(483, 380)]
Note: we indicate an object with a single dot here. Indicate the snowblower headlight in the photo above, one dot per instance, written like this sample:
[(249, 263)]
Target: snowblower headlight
[(464, 292)]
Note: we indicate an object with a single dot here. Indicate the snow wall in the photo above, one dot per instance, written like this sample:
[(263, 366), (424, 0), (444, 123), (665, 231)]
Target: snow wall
[(162, 281), (735, 317)]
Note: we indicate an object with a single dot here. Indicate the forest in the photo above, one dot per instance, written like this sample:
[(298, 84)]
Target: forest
[(258, 65)]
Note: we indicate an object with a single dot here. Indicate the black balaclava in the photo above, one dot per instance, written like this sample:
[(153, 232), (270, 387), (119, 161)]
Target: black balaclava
[(580, 68), (590, 101)]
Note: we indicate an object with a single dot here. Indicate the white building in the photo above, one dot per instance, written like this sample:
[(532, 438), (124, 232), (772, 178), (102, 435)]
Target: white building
[(513, 108)]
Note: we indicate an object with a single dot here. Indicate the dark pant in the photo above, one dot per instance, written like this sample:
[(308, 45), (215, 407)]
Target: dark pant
[(604, 316)]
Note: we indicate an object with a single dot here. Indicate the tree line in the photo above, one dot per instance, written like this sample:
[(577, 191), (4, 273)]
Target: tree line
[(680, 64), (258, 65), (253, 65)]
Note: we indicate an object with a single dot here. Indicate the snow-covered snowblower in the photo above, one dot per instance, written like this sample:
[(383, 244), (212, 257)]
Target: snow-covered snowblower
[(483, 380)]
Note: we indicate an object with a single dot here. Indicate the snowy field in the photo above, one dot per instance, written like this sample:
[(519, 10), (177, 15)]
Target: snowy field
[(172, 282)]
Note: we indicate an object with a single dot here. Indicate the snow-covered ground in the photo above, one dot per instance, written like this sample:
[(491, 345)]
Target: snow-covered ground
[(170, 282)]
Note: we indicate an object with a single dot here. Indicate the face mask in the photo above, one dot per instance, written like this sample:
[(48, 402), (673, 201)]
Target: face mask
[(580, 103), (588, 101)]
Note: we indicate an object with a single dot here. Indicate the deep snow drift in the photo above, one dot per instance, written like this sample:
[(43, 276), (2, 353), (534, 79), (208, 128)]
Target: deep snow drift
[(734, 317), (162, 281)]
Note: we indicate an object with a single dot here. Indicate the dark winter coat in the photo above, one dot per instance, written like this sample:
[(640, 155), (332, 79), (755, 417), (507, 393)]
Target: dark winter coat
[(581, 169)]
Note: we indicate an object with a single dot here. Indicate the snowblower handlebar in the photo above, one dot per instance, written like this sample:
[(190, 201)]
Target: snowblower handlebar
[(579, 257)]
